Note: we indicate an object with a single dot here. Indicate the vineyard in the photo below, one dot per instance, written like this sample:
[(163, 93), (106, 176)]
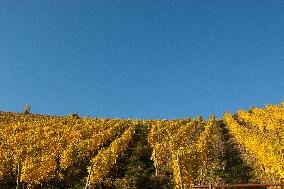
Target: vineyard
[(40, 151)]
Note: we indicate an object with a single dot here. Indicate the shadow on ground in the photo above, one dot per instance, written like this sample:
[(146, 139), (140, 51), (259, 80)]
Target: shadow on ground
[(235, 170)]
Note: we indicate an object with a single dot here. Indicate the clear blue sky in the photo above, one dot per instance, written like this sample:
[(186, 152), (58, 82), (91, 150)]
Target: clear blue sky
[(141, 59)]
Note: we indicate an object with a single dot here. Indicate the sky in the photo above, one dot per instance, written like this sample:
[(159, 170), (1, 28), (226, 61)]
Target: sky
[(143, 59)]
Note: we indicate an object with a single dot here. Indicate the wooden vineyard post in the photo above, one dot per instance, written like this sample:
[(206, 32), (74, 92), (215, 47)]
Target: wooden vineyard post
[(210, 186), (88, 178), (18, 176), (156, 168), (180, 174)]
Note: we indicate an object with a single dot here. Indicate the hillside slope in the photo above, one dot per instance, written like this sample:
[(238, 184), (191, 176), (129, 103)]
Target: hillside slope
[(38, 151)]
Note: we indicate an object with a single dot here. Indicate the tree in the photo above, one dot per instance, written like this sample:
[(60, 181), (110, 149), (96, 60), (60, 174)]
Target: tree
[(27, 109)]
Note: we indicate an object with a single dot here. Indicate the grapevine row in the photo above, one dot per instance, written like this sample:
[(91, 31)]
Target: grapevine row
[(267, 151), (106, 158)]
